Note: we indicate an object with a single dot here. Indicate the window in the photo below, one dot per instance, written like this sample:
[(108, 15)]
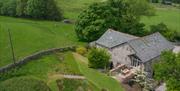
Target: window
[(134, 61)]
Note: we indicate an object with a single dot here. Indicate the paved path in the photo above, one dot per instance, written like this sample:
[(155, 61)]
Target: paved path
[(60, 76), (74, 77), (56, 76)]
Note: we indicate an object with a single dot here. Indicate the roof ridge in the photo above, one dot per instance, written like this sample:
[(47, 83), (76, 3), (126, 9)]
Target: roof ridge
[(142, 38), (122, 33)]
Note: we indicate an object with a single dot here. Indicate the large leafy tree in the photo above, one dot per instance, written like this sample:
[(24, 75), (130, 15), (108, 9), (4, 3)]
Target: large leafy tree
[(92, 22), (168, 70), (116, 14)]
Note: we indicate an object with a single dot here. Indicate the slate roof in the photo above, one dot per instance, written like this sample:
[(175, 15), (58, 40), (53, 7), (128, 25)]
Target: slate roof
[(112, 38), (150, 46)]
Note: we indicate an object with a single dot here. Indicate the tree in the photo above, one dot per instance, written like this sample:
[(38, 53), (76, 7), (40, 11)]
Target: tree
[(115, 14), (91, 23), (21, 8), (141, 7), (168, 70), (165, 31), (98, 58), (8, 7), (36, 8), (53, 11), (43, 9)]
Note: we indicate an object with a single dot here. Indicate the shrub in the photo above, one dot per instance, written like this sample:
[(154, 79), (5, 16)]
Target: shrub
[(98, 58), (23, 84), (81, 50)]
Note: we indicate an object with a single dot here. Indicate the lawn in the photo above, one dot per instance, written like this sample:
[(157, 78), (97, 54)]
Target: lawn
[(72, 8)]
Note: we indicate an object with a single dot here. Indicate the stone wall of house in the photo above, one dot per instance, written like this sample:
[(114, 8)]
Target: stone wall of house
[(34, 56), (148, 66), (120, 54)]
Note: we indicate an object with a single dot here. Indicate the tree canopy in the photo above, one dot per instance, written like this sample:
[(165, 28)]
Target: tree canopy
[(119, 15), (36, 9), (168, 70)]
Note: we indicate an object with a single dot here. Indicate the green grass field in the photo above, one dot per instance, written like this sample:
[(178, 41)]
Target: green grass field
[(168, 16), (31, 36)]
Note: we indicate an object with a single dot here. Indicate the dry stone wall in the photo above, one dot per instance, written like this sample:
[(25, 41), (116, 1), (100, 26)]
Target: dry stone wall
[(34, 56)]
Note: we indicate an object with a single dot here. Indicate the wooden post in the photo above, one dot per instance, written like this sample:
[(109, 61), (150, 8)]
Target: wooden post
[(12, 49)]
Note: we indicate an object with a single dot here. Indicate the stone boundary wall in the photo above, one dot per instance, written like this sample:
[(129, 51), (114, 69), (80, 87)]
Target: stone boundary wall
[(34, 56)]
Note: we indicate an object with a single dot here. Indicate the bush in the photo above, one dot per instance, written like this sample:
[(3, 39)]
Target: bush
[(23, 84), (98, 58), (81, 50)]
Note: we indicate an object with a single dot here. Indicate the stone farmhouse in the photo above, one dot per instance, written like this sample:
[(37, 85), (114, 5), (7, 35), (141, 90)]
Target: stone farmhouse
[(133, 51)]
